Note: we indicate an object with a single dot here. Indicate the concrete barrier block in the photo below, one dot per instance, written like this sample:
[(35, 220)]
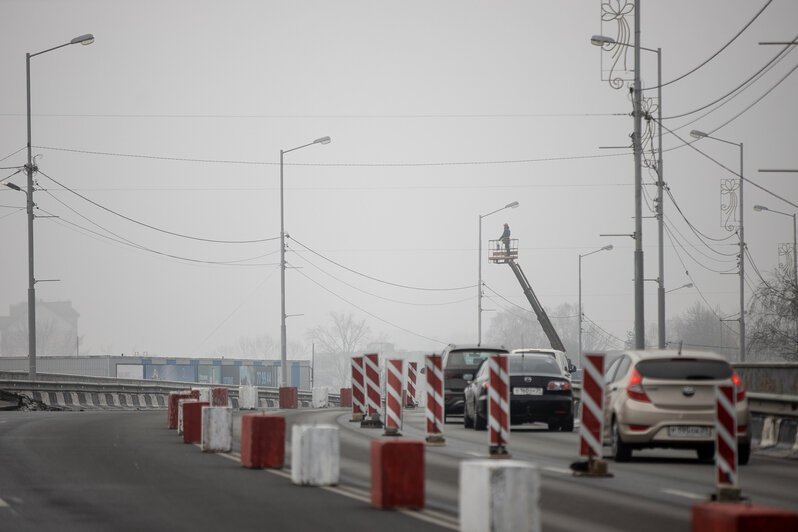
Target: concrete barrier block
[(172, 407), (315, 455), (262, 441), (219, 397), (740, 517), (289, 397), (320, 397), (346, 397), (204, 393), (247, 397), (397, 473), (217, 429), (770, 432), (499, 496), (180, 412), (192, 421)]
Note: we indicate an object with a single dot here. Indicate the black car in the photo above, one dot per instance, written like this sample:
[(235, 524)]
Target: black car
[(461, 361), (539, 392)]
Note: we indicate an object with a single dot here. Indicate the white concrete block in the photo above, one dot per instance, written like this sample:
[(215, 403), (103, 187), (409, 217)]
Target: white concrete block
[(217, 429), (247, 397), (204, 393), (499, 495), (320, 397), (315, 455), (180, 413)]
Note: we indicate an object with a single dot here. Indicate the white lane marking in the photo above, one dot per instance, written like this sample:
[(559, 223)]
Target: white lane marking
[(3, 504), (686, 494), (559, 470)]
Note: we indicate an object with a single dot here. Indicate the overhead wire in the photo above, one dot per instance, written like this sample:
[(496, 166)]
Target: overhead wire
[(381, 280), (160, 230)]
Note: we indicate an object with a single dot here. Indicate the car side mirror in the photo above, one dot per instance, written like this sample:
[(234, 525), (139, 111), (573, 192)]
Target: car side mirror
[(468, 377)]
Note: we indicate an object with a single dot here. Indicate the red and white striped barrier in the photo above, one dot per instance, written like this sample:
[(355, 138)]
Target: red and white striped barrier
[(726, 435), (393, 396), (434, 372), (371, 367), (358, 389), (412, 372), (592, 420), (499, 405)]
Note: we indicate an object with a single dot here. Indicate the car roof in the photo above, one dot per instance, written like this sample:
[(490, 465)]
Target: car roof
[(537, 350), (672, 353), (474, 347)]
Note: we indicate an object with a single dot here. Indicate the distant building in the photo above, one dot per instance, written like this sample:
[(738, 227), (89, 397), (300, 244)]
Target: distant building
[(56, 329)]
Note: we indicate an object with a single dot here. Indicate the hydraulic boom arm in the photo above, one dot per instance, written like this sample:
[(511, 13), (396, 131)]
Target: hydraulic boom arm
[(548, 328)]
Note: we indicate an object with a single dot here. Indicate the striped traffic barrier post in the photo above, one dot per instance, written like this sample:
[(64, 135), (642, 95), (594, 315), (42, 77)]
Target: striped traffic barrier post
[(393, 396), (592, 419), (371, 370), (434, 407), (726, 443), (499, 405), (358, 389), (412, 372)]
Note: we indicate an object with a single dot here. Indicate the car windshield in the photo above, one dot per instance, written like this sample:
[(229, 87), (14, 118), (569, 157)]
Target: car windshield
[(535, 364), (685, 369), (466, 358)]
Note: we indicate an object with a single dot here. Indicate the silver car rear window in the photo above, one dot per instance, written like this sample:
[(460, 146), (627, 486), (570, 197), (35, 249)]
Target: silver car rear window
[(685, 369), (534, 364)]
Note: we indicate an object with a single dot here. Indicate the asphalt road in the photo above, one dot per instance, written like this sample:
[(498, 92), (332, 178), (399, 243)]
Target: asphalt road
[(124, 470)]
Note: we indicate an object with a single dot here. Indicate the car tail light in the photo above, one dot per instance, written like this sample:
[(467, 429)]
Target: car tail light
[(486, 384), (738, 386), (638, 427), (635, 388), (557, 386), (741, 429)]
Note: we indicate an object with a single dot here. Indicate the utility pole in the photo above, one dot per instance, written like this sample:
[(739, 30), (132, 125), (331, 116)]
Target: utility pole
[(640, 340)]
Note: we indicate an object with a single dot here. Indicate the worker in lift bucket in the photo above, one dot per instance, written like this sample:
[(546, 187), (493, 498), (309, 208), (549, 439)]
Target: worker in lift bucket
[(505, 238)]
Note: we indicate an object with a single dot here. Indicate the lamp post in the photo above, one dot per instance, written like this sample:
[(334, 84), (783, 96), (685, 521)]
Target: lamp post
[(601, 40), (700, 135), (283, 361), (512, 205), (30, 168), (605, 248), (760, 208)]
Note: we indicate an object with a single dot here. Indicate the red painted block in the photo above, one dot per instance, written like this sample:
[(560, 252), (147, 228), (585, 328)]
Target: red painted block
[(174, 398), (289, 397), (740, 517), (346, 397), (192, 421), (262, 440), (219, 397), (397, 473)]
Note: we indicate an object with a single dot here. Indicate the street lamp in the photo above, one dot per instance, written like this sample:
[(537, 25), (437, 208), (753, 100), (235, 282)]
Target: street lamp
[(605, 248), (688, 285), (30, 168), (512, 205), (640, 343), (700, 135), (760, 208), (283, 361)]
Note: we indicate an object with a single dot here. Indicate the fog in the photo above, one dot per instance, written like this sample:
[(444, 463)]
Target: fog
[(170, 125)]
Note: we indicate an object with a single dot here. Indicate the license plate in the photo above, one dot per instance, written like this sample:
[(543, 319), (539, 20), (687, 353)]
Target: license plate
[(527, 391), (689, 431)]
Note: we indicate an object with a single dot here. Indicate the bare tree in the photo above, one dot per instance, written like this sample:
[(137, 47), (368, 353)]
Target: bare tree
[(337, 342), (773, 320), (702, 329)]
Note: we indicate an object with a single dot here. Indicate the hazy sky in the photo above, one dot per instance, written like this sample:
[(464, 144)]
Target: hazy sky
[(438, 112)]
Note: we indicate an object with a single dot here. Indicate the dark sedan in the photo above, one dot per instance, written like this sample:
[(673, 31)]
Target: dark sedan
[(539, 392)]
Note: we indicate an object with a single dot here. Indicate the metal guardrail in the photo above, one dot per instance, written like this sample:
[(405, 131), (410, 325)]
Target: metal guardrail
[(17, 382)]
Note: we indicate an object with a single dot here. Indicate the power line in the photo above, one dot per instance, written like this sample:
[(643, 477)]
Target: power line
[(148, 226), (380, 280)]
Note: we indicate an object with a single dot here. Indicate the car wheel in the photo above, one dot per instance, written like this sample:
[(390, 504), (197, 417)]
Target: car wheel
[(743, 453), (621, 452), (468, 422), (568, 424), (554, 425), (705, 452), (480, 423)]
